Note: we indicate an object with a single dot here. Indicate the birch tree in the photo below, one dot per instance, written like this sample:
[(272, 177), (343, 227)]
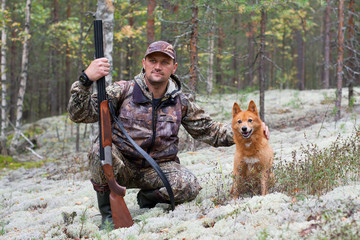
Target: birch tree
[(23, 78), (105, 12), (3, 83)]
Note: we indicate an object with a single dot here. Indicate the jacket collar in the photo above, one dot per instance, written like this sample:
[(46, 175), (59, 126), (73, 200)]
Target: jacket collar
[(141, 93)]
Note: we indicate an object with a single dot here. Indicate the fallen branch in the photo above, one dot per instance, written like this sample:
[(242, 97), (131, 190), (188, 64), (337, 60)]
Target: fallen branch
[(27, 139)]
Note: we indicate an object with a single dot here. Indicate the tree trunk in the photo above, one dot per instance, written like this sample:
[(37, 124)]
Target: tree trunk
[(3, 84), (23, 78), (262, 64), (236, 54), (129, 42), (351, 50), (339, 70), (14, 80), (300, 60), (79, 67), (54, 64), (67, 75), (251, 42), (105, 12), (220, 46), (150, 25), (210, 74), (193, 47), (326, 75)]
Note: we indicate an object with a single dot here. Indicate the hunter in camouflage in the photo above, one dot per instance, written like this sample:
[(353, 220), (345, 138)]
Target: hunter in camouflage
[(153, 121)]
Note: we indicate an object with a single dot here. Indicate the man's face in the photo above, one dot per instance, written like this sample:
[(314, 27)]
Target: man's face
[(158, 68)]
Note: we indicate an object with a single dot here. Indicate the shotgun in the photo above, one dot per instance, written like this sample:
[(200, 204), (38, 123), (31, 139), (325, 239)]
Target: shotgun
[(120, 213)]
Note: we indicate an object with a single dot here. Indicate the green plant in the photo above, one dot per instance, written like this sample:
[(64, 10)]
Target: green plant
[(2, 231), (315, 171), (82, 220), (108, 228), (263, 235), (8, 162), (143, 223)]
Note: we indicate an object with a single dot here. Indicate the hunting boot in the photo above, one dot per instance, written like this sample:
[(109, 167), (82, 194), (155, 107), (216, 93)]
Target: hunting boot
[(103, 193), (149, 198), (104, 208)]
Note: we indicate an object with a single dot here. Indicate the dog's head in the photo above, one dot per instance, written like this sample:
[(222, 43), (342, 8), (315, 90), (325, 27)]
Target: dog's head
[(246, 122)]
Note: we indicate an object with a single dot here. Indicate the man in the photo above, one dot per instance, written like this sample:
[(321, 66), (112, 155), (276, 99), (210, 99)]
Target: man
[(151, 107)]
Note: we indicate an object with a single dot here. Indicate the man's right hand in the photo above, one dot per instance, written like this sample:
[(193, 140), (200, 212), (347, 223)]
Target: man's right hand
[(97, 69)]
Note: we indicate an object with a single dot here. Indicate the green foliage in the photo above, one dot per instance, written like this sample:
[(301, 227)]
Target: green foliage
[(263, 235), (83, 219), (317, 171), (8, 162), (2, 230), (295, 101)]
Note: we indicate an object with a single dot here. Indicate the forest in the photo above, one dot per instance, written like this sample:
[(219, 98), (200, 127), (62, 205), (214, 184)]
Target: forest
[(222, 47)]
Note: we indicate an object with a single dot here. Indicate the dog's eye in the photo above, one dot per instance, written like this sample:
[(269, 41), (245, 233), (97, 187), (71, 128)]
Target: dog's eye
[(250, 120), (239, 121)]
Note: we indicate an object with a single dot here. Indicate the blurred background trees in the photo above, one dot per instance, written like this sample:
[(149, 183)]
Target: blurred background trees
[(220, 45)]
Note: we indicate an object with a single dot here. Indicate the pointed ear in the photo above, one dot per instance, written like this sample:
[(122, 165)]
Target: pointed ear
[(252, 107), (236, 109)]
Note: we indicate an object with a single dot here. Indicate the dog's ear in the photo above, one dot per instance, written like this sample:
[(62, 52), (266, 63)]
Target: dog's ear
[(236, 109), (252, 107)]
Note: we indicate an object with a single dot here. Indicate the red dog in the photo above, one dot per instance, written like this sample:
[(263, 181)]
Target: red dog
[(253, 158)]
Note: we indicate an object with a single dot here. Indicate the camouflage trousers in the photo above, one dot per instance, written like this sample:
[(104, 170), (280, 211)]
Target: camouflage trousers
[(184, 184)]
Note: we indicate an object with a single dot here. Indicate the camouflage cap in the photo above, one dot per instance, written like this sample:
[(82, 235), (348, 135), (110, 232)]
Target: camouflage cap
[(161, 46)]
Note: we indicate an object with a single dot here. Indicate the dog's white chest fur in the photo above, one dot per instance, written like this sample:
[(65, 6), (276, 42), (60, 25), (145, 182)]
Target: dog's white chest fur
[(251, 160)]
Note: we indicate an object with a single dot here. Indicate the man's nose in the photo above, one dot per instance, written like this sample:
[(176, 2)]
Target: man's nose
[(157, 65)]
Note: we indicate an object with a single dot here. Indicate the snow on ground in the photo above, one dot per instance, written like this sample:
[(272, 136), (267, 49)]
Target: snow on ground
[(57, 201)]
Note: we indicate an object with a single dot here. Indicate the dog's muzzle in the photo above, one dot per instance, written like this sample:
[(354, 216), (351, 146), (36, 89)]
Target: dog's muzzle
[(245, 132)]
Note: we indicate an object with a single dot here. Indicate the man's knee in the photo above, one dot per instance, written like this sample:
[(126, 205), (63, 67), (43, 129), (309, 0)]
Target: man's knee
[(185, 186), (97, 173)]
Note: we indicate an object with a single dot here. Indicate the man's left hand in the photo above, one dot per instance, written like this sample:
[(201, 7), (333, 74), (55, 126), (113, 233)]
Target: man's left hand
[(266, 131)]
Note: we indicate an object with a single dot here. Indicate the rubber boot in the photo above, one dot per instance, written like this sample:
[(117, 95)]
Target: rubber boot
[(104, 207), (149, 198)]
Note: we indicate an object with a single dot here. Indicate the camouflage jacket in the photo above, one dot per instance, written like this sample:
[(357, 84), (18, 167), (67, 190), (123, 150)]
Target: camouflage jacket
[(154, 128)]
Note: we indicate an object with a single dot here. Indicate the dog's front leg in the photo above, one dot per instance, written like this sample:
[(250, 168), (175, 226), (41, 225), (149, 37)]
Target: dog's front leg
[(264, 182), (235, 186)]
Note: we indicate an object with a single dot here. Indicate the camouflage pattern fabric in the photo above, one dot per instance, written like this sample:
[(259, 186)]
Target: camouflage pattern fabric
[(154, 128), (184, 184)]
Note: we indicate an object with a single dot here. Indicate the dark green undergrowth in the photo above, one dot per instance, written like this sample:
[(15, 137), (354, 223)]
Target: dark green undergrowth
[(316, 171), (9, 163)]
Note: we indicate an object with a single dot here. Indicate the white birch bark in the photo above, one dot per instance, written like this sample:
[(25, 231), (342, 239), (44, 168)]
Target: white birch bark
[(105, 12), (3, 83), (23, 78), (3, 74)]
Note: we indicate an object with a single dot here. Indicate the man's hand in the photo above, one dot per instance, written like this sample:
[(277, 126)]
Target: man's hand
[(98, 68), (266, 131)]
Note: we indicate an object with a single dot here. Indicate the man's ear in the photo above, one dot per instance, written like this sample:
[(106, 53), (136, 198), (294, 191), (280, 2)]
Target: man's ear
[(143, 62), (175, 67)]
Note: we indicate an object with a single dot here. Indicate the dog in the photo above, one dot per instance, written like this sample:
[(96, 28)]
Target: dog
[(254, 157)]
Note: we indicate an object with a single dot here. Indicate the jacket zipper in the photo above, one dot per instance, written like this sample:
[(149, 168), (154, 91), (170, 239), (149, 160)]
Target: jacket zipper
[(154, 121)]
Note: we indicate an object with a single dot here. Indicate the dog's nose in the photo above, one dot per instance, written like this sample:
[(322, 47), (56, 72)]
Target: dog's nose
[(244, 129)]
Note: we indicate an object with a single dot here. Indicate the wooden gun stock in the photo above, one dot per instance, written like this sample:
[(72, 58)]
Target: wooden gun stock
[(107, 144), (120, 213)]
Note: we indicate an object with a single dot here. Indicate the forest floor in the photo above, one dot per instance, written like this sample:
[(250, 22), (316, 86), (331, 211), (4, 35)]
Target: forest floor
[(56, 201)]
